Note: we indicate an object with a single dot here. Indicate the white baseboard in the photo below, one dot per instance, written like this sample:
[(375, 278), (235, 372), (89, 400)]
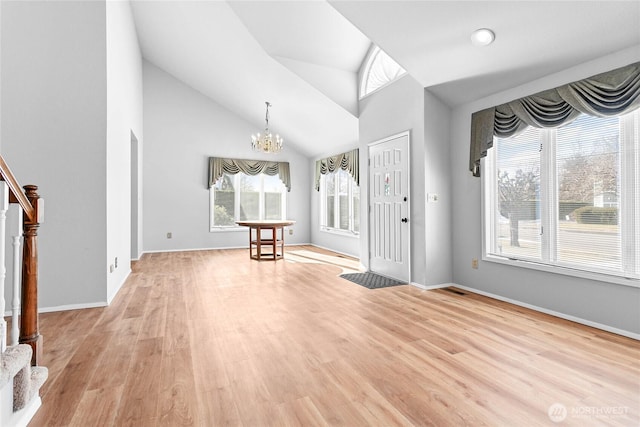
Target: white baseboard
[(213, 249), (159, 251), (68, 307), (113, 294), (431, 287), (586, 322), (332, 250), (65, 307)]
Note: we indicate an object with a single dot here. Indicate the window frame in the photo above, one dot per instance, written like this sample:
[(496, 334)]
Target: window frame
[(630, 256), (236, 200), (336, 206), (368, 63)]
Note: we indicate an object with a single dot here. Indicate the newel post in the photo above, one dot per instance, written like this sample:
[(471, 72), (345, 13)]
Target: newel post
[(29, 333)]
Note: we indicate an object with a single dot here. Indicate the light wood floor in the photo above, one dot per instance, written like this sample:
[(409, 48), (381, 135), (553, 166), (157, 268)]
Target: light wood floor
[(213, 338)]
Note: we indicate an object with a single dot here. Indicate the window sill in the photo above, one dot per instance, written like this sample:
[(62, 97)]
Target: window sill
[(340, 232), (602, 277), (227, 228)]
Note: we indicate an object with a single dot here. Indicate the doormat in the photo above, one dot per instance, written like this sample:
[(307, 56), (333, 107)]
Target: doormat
[(371, 280)]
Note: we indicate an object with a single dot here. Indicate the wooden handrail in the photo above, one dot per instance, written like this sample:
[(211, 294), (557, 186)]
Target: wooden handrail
[(31, 212), (16, 194)]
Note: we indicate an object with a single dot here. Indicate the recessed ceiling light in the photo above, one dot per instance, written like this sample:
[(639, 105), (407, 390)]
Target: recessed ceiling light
[(482, 37)]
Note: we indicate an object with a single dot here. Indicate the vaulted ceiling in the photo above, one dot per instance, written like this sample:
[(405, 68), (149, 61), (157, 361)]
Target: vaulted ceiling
[(304, 56)]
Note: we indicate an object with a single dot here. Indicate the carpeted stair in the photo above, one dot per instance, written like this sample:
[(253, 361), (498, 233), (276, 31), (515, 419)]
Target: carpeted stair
[(15, 364)]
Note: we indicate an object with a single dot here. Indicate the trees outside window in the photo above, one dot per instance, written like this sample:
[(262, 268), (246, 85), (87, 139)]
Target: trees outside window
[(517, 198), (242, 197), (567, 197)]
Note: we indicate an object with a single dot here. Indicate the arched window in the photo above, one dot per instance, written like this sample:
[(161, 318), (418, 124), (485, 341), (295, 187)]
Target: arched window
[(379, 71)]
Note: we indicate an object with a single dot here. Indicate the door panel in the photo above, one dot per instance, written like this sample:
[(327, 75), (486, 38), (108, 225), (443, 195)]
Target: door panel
[(388, 206)]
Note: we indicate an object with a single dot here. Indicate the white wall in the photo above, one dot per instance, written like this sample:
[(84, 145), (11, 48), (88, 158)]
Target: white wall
[(397, 108), (405, 105), (53, 135), (124, 116), (437, 161), (605, 304), (183, 128)]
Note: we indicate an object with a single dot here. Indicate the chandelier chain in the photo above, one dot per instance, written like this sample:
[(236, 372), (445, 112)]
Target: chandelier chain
[(266, 116)]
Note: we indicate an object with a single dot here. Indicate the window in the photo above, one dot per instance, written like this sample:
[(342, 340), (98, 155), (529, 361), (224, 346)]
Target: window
[(568, 197), (379, 71), (242, 197), (340, 204)]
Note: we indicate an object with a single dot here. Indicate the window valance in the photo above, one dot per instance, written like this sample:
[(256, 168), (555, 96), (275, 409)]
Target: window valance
[(218, 166), (349, 161), (608, 94)]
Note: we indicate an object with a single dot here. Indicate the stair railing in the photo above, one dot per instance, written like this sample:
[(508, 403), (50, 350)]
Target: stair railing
[(26, 298)]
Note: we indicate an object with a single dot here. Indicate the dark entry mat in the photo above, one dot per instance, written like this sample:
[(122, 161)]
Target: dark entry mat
[(371, 280)]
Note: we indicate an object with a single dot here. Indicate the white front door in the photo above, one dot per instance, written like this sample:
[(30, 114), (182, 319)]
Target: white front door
[(389, 207)]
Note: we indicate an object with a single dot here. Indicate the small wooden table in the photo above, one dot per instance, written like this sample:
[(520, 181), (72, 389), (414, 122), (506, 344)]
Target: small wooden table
[(271, 241)]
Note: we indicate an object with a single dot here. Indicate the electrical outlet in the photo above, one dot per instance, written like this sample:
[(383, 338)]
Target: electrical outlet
[(432, 197), (116, 262), (474, 263), (291, 232), (169, 235)]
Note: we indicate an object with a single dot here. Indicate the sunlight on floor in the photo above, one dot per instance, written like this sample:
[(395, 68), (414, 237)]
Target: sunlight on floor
[(348, 265)]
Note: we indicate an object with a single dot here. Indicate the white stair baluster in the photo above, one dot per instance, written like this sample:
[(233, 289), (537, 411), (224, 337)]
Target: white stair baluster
[(15, 305), (4, 205)]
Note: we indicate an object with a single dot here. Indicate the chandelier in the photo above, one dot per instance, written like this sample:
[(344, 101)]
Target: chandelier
[(267, 142)]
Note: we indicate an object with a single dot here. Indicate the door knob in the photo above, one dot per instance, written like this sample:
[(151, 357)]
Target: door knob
[(405, 220)]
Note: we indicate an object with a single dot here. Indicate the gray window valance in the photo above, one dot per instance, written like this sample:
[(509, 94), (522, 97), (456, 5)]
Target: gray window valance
[(218, 166), (608, 94), (349, 161)]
